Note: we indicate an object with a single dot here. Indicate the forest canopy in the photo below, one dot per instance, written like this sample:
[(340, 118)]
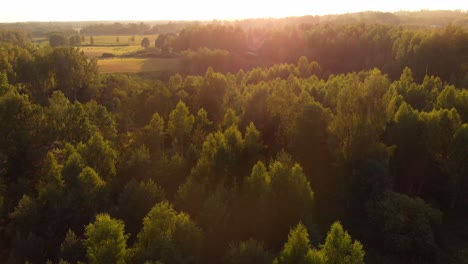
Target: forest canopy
[(304, 142)]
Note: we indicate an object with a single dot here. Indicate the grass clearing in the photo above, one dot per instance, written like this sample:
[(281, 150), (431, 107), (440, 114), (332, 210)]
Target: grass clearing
[(135, 65), (103, 40), (95, 51), (123, 39)]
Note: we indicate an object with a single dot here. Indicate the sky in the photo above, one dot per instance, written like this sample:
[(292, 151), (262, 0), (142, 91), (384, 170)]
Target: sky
[(93, 10)]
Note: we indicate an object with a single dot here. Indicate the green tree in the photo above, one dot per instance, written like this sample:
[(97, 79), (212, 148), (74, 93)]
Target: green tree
[(72, 248), (410, 152), (74, 40), (247, 252), (276, 199), (361, 116), (57, 39), (74, 73), (168, 236), (25, 215), (230, 118), (259, 181), (458, 167), (303, 67), (201, 128), (20, 121), (105, 240), (439, 127), (308, 143), (298, 249), (99, 155), (180, 125), (145, 43), (101, 119), (339, 247), (66, 121), (292, 195), (152, 135), (136, 200), (404, 225), (212, 95)]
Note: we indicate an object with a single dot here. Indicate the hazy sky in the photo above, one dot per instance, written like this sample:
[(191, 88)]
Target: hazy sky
[(64, 10)]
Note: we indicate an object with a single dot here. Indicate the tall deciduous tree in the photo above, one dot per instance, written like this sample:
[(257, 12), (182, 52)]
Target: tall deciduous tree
[(72, 248), (361, 116), (136, 200), (145, 43), (168, 236), (247, 252), (57, 39), (339, 247), (180, 125), (100, 155), (105, 240), (298, 248), (404, 225), (458, 168)]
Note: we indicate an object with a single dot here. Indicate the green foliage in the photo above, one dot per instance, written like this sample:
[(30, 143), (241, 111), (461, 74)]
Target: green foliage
[(152, 135), (439, 127), (100, 155), (361, 116), (74, 143), (74, 40), (230, 118), (180, 125), (171, 172), (57, 39), (212, 94), (72, 248), (168, 236), (297, 249), (25, 214), (105, 240), (145, 43), (339, 248), (247, 252), (101, 119), (135, 201), (458, 168), (90, 180), (405, 225), (259, 181), (74, 74), (309, 141)]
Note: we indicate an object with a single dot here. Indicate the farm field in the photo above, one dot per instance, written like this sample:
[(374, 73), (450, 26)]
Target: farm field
[(122, 39), (97, 51), (106, 40), (125, 44), (134, 65)]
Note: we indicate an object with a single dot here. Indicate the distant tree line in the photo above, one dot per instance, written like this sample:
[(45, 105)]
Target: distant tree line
[(338, 49)]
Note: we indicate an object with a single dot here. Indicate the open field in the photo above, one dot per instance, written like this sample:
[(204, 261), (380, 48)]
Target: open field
[(107, 40), (134, 65), (97, 51), (122, 39), (108, 44)]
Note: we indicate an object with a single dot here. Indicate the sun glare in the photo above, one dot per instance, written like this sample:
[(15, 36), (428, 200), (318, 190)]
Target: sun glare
[(53, 10)]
